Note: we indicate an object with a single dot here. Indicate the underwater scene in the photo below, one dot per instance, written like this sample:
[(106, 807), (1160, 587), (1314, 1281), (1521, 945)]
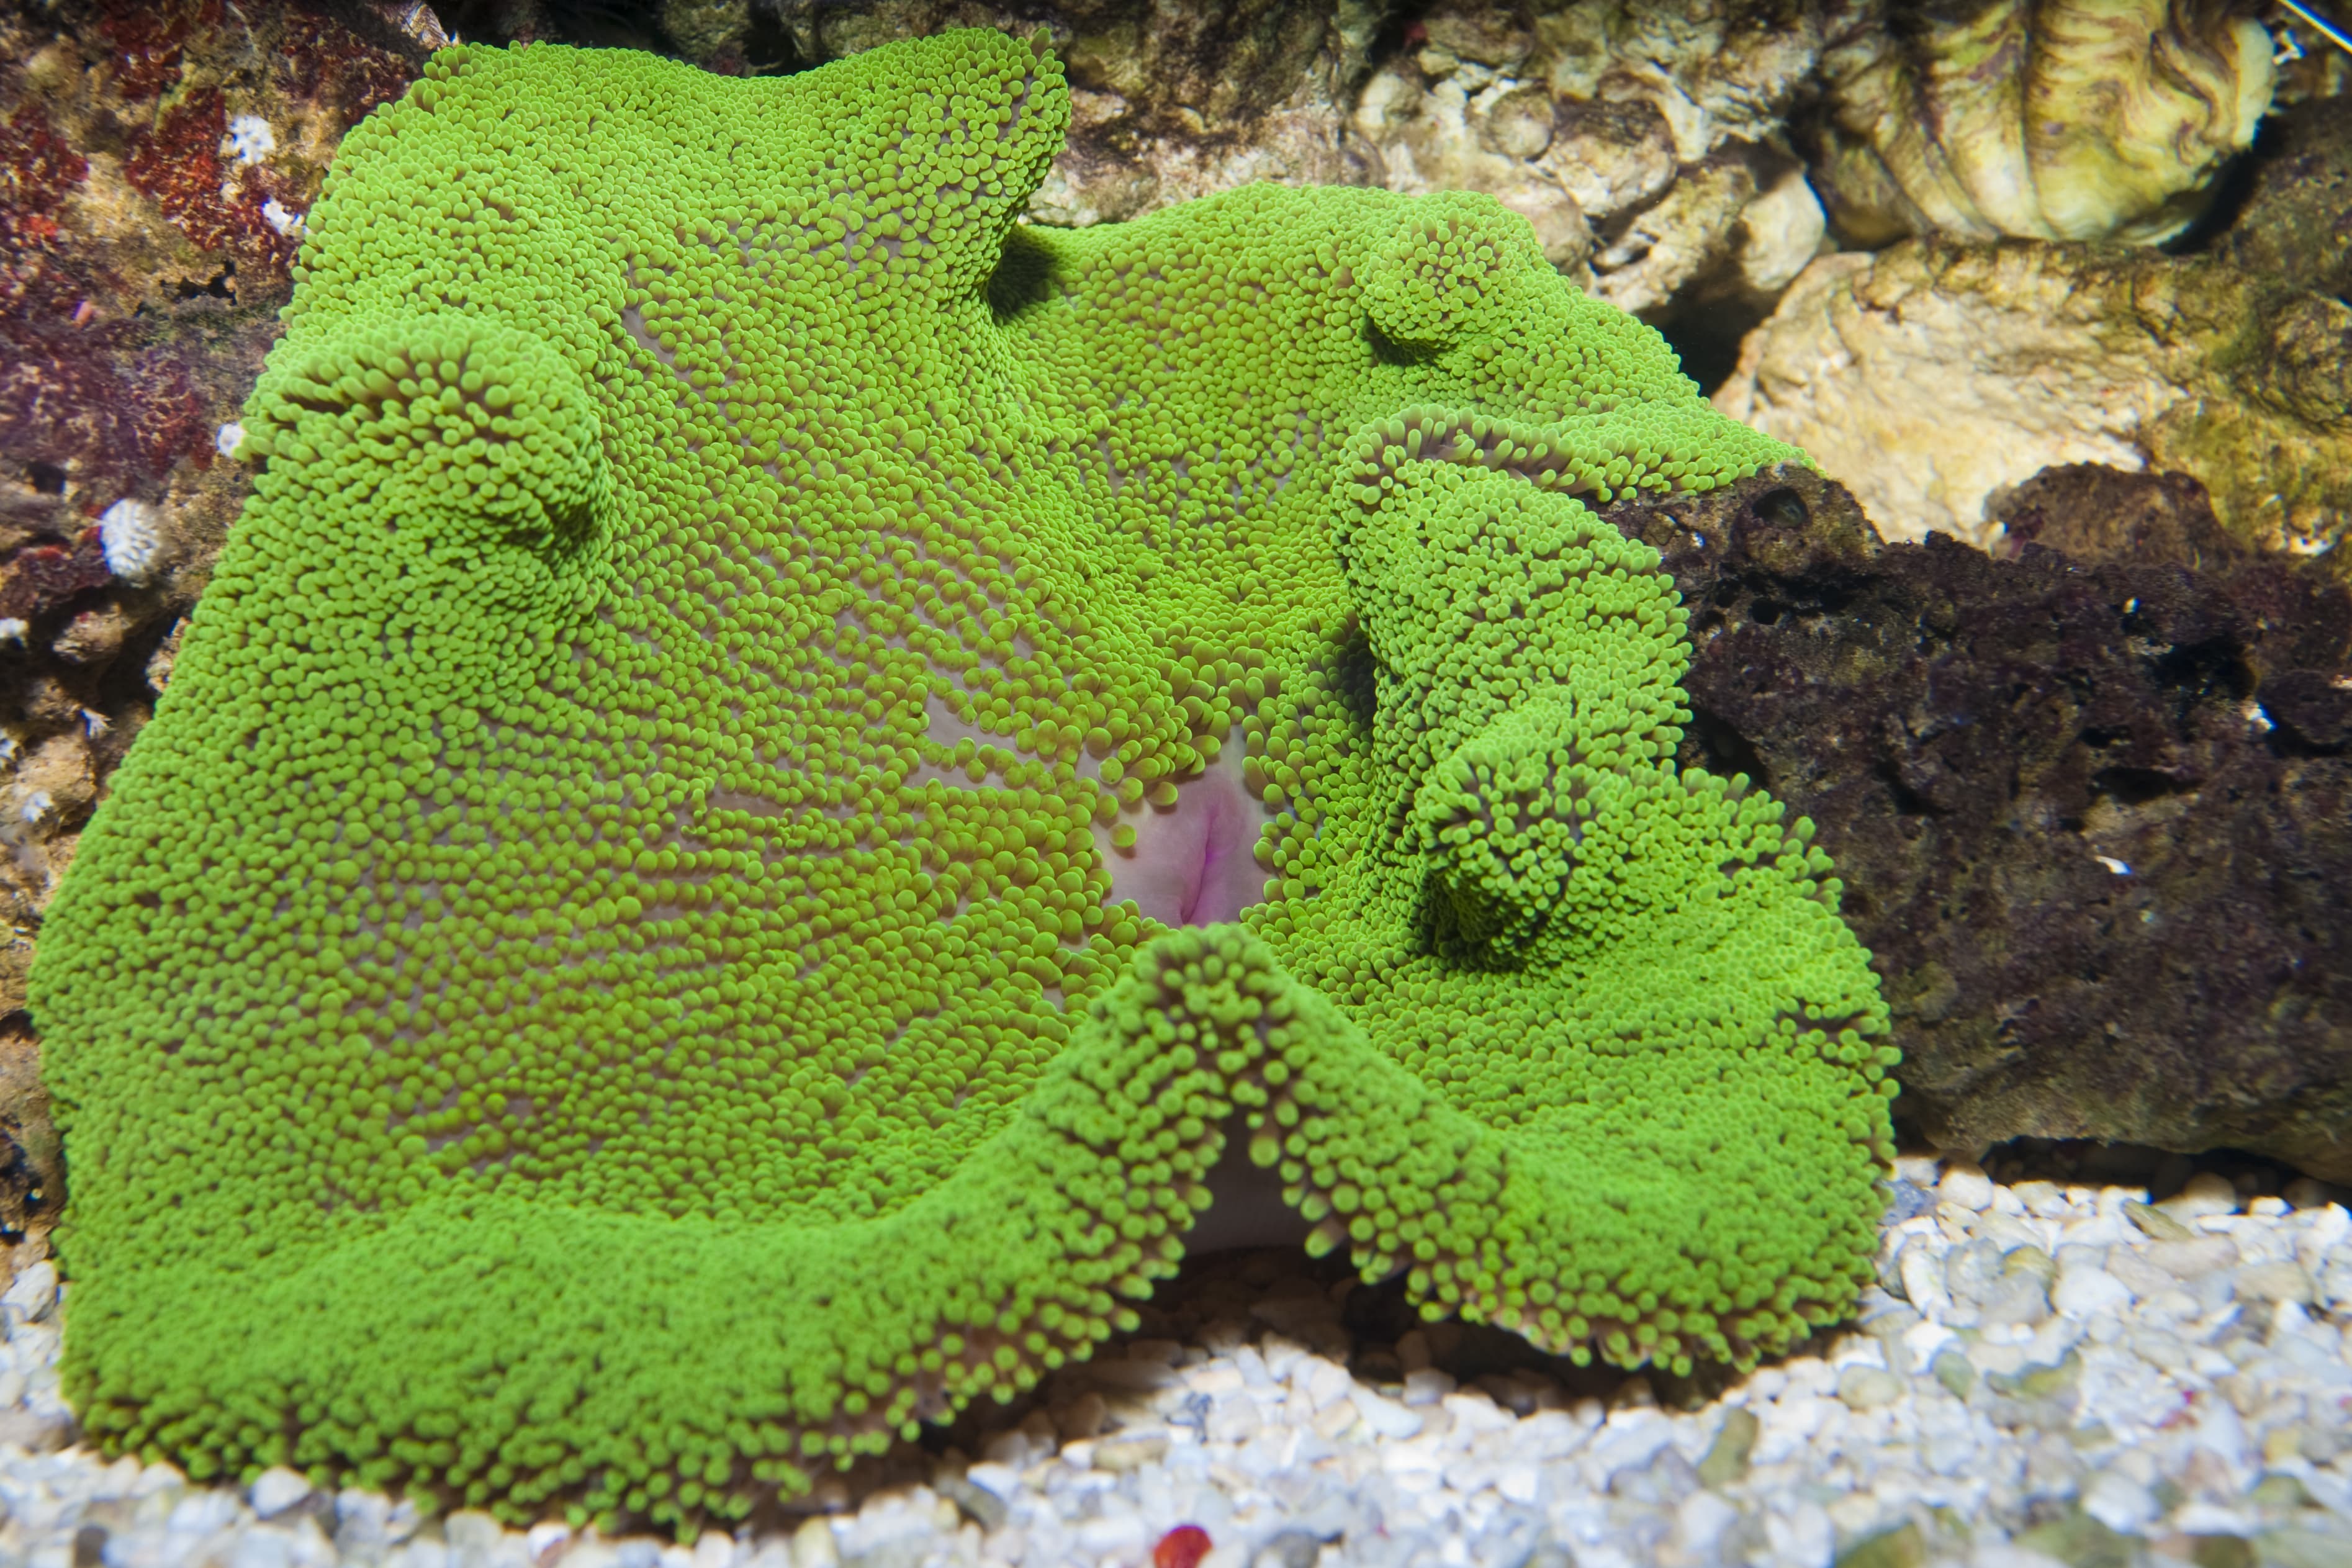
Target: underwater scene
[(1248, 784)]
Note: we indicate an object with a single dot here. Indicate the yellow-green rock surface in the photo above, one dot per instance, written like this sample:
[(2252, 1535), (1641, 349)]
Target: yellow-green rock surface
[(611, 981)]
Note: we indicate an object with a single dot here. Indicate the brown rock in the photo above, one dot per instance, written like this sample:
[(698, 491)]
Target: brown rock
[(2095, 513), (2093, 813), (95, 636), (1167, 103)]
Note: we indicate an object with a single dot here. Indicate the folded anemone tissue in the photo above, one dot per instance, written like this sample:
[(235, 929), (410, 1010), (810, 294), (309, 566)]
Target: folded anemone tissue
[(782, 768)]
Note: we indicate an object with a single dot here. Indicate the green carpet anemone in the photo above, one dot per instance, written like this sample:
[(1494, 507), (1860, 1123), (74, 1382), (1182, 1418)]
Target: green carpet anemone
[(777, 762)]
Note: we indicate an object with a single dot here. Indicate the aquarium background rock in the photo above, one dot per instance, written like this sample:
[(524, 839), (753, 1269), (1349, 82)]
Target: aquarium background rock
[(1934, 374), (155, 161)]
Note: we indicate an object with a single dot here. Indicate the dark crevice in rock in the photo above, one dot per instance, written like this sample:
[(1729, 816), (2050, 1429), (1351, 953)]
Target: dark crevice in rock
[(1401, 28), (221, 285), (2231, 193), (769, 48)]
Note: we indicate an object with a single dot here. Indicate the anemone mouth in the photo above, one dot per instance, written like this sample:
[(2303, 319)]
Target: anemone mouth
[(1191, 862)]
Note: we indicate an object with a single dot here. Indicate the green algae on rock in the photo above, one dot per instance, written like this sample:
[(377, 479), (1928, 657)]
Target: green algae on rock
[(631, 963)]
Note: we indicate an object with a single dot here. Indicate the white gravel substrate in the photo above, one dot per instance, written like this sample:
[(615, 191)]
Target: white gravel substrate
[(2049, 1372)]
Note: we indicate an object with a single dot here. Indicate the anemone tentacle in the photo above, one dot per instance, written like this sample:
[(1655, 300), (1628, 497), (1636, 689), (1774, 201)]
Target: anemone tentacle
[(611, 982)]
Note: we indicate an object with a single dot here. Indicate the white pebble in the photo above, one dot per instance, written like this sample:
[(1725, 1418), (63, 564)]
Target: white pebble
[(2334, 1286), (2106, 1228), (1868, 1388), (715, 1549), (1521, 1484), (1115, 1535), (262, 1548), (2212, 1519), (1386, 1416), (813, 1546), (2120, 1503), (201, 1513), (276, 1489), (1427, 1386), (1922, 1273), (2205, 1194), (1324, 1381), (1213, 1378), (1802, 1538), (2085, 1290), (1923, 1340), (1701, 1521), (2322, 1227), (30, 1296), (1966, 1183), (1552, 1434), (544, 1543), (1999, 1554), (2274, 1282), (1233, 1419)]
